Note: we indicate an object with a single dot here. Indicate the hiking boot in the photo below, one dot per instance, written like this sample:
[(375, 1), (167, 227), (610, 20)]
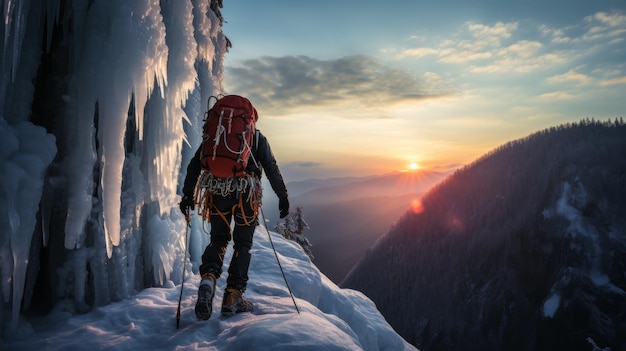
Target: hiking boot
[(234, 303), (206, 291)]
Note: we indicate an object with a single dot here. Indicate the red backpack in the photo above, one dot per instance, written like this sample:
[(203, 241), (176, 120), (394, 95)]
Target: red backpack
[(229, 129)]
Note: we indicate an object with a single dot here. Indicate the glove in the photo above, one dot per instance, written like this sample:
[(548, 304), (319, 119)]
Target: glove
[(186, 204), (283, 206)]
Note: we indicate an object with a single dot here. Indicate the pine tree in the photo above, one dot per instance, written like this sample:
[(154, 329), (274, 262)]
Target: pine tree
[(293, 229)]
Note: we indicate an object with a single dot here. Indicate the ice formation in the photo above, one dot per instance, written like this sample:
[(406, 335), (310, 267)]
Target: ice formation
[(96, 101)]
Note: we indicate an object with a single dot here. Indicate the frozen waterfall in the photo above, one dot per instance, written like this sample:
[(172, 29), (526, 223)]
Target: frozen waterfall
[(100, 104)]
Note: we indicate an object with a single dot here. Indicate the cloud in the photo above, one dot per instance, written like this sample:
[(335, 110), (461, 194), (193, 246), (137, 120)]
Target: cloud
[(614, 19), (596, 28), (614, 81), (418, 52), (281, 85), (557, 95), (570, 76), (523, 47), (492, 34), (489, 49)]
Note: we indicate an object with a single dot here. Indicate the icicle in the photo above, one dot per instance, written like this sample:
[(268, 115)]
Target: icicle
[(8, 11), (52, 15)]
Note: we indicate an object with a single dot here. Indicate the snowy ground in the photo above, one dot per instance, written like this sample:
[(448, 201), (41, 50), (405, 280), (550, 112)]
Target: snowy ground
[(330, 318)]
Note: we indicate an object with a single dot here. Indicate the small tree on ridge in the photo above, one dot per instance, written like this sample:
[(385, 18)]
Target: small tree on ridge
[(293, 229)]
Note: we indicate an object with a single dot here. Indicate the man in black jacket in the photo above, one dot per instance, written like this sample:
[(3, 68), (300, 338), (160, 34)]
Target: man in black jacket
[(230, 197)]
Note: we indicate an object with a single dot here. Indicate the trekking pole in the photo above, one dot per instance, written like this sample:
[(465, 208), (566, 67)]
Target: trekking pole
[(182, 284), (279, 265)]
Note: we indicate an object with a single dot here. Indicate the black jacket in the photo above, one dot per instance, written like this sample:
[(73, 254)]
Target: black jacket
[(261, 153)]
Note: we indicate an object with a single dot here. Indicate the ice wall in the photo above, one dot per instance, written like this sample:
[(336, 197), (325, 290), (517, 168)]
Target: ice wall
[(25, 153), (123, 85)]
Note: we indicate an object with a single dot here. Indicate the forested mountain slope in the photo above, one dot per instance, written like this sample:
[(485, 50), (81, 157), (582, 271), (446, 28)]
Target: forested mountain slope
[(525, 249)]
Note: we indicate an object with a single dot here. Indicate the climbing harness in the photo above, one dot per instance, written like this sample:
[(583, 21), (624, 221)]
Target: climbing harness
[(209, 186)]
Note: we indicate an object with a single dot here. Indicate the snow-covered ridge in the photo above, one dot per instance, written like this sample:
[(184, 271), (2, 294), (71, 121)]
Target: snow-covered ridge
[(330, 318)]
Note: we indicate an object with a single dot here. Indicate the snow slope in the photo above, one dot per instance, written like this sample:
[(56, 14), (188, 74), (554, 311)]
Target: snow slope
[(330, 318)]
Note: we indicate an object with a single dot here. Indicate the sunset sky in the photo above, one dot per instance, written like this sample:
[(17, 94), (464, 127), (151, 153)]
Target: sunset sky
[(350, 88)]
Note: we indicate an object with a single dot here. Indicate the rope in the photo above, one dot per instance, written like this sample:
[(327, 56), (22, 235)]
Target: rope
[(279, 265)]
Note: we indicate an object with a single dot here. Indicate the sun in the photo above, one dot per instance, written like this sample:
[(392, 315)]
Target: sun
[(413, 166)]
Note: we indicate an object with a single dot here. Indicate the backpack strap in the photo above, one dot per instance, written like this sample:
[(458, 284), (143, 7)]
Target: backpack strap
[(256, 147)]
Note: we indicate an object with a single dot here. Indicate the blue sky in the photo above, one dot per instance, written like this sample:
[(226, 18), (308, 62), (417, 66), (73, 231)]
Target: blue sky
[(360, 88)]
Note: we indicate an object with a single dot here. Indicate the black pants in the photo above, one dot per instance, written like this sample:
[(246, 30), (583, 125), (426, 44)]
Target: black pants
[(213, 257)]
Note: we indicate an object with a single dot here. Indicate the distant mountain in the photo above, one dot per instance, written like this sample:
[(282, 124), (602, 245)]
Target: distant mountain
[(347, 215), (299, 187), (341, 232), (346, 219), (391, 184), (270, 201), (525, 249)]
